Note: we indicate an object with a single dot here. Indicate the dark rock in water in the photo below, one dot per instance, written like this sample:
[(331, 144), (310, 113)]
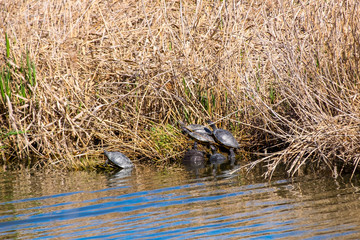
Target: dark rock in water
[(118, 159)]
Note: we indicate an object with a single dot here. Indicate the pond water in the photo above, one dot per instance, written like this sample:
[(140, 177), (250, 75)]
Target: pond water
[(146, 203)]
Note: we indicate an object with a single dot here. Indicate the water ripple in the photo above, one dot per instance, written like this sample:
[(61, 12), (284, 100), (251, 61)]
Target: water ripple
[(208, 209)]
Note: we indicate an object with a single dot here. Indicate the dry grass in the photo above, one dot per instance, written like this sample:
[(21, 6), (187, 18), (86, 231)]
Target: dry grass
[(120, 74)]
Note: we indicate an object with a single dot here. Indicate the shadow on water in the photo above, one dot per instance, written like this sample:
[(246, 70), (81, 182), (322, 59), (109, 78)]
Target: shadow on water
[(146, 203)]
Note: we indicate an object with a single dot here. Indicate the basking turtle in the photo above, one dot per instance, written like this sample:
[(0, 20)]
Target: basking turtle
[(118, 159), (201, 137), (216, 159), (196, 128), (225, 138), (194, 158)]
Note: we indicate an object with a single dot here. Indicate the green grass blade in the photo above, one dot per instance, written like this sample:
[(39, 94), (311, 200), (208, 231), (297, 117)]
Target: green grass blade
[(2, 86), (34, 74), (7, 83), (7, 42)]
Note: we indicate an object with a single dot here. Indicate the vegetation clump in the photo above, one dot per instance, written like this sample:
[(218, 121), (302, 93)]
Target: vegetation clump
[(81, 76)]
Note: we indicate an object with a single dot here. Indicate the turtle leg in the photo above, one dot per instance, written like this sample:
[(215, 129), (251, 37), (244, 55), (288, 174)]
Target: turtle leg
[(214, 170), (106, 162), (213, 167), (213, 149), (232, 156), (195, 145)]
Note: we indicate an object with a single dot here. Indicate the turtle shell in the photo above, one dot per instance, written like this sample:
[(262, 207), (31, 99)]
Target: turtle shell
[(196, 128), (205, 138), (119, 159), (225, 138)]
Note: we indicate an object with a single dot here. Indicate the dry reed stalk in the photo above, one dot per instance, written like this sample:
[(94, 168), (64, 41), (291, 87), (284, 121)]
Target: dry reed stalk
[(119, 75), (315, 75)]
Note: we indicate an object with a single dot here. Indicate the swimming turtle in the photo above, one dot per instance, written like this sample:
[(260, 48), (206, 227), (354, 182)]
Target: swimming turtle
[(201, 137), (119, 159), (225, 138), (196, 128)]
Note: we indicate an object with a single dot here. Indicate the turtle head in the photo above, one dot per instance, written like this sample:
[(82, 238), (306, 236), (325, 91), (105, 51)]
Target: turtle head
[(185, 130), (181, 123), (211, 123)]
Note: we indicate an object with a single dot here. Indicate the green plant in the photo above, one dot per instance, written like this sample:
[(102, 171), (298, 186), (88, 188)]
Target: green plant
[(4, 84), (272, 94), (165, 139), (11, 133), (16, 80)]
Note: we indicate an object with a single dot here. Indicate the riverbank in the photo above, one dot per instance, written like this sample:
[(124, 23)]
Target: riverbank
[(79, 77)]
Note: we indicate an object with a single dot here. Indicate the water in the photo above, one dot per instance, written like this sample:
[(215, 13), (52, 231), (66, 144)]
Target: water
[(176, 204)]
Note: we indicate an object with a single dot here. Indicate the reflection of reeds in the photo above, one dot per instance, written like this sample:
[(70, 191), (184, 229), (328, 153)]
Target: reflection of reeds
[(120, 76)]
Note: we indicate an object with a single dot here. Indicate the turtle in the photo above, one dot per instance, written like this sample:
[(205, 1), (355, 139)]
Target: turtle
[(201, 137), (194, 160), (194, 157), (225, 138), (119, 159), (196, 128), (216, 159)]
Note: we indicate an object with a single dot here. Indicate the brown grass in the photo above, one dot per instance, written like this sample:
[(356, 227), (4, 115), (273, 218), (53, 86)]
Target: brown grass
[(118, 75)]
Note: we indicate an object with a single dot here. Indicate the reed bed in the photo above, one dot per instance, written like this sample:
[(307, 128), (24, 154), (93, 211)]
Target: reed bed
[(81, 76)]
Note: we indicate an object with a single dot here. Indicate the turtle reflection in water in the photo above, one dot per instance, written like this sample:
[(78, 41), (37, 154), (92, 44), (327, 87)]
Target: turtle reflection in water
[(118, 159), (225, 138)]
